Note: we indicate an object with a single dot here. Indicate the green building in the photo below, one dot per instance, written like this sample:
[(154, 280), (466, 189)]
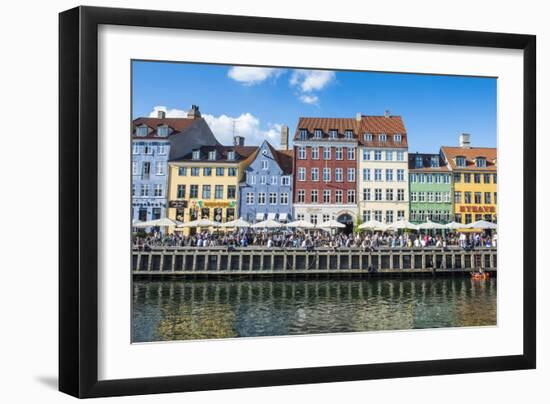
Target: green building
[(430, 189)]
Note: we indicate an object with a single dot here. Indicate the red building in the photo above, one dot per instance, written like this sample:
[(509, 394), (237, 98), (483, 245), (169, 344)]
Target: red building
[(325, 170)]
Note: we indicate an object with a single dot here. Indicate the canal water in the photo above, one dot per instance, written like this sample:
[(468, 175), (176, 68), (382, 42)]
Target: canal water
[(184, 309)]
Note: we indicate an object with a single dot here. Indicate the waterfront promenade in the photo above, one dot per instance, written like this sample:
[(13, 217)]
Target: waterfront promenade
[(276, 261)]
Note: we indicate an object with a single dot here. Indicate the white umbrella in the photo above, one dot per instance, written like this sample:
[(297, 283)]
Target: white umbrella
[(455, 226), (481, 224), (269, 223), (373, 225), (429, 225), (401, 225), (163, 222), (331, 224), (302, 224), (201, 223), (240, 222)]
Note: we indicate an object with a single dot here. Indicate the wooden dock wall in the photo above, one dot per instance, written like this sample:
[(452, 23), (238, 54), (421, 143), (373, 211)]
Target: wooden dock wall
[(263, 261)]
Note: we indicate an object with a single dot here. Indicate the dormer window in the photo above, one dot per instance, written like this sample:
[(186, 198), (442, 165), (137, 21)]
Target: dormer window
[(196, 154), (418, 162), (349, 134), (397, 138), (303, 134), (142, 131), (231, 155), (367, 137), (163, 131), (434, 161), (212, 155), (333, 134), (461, 161), (481, 162), (318, 134), (382, 137)]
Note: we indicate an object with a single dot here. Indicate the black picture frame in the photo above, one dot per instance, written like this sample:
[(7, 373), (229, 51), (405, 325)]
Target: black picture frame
[(78, 206)]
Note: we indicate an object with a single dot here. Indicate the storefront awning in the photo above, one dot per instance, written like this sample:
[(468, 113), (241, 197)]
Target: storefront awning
[(260, 216), (271, 216)]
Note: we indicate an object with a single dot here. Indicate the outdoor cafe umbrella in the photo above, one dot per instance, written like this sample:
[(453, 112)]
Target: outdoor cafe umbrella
[(163, 222), (301, 224), (266, 224), (201, 223), (373, 225), (429, 225), (402, 225), (454, 226), (331, 224), (240, 222), (481, 224)]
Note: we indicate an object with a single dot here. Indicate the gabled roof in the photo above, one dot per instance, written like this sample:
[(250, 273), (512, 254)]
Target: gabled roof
[(327, 124), (426, 162), (284, 158), (471, 153), (241, 153), (377, 125), (176, 124)]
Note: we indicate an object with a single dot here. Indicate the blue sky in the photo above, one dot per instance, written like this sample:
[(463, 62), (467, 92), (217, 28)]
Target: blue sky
[(435, 109)]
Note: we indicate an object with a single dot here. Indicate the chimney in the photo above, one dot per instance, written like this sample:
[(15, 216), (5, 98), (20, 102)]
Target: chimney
[(194, 112), (358, 117), (464, 140), (161, 114), (238, 140), (387, 113), (284, 137)]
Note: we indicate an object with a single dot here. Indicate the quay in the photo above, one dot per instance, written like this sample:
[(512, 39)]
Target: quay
[(261, 261)]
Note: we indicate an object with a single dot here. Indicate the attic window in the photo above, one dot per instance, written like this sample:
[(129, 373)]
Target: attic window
[(368, 137), (141, 131), (349, 134), (196, 154), (231, 155), (461, 161), (382, 137), (212, 155), (318, 134), (418, 162), (162, 131), (303, 134), (397, 138), (434, 161), (481, 162), (333, 134)]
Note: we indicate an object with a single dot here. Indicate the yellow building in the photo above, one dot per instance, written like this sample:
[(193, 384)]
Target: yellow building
[(474, 181), (205, 183)]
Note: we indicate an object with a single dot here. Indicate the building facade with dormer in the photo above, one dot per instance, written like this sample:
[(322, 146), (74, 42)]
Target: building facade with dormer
[(154, 142), (474, 172), (383, 183), (266, 189), (325, 170)]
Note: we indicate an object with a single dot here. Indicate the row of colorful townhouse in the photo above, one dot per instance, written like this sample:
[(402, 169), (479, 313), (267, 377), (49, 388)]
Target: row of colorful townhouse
[(348, 169)]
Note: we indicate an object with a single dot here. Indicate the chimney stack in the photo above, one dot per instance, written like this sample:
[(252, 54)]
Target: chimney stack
[(238, 140), (284, 137), (464, 140), (358, 117), (387, 113), (161, 114), (194, 112)]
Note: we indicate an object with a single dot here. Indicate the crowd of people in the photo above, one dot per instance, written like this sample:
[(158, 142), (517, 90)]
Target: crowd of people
[(315, 239)]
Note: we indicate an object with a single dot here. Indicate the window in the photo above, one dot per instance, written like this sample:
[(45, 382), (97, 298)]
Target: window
[(467, 197), (326, 174), (378, 155), (146, 169), (351, 174), (315, 174), (458, 218), (339, 151), (314, 196), (348, 134), (196, 154), (134, 167), (367, 137), (366, 194), (377, 194), (437, 178), (389, 194), (133, 190), (389, 155), (400, 215), (326, 218), (250, 198), (194, 191), (400, 174), (458, 197), (389, 174), (273, 198), (300, 216), (218, 192), (220, 171), (447, 197), (338, 175), (148, 149), (326, 153), (313, 219), (212, 155), (429, 178), (163, 131), (412, 177), (231, 192), (142, 130), (487, 198), (378, 215), (477, 178), (382, 137), (434, 161), (263, 180), (162, 148), (468, 218), (461, 161), (303, 134), (446, 178), (261, 198), (377, 174), (457, 177), (413, 197), (301, 174), (400, 194), (467, 178), (273, 180), (195, 171), (366, 154), (315, 153), (181, 191), (332, 134), (418, 162), (206, 192), (326, 196), (231, 155), (351, 153), (487, 178), (284, 198), (135, 148), (400, 155), (421, 178), (481, 162), (495, 197), (494, 179), (232, 171), (338, 196), (301, 153), (421, 197), (389, 216), (366, 174), (438, 197), (264, 165), (397, 138), (318, 134), (477, 197), (285, 180), (207, 171), (351, 195), (366, 215), (301, 196), (158, 190)]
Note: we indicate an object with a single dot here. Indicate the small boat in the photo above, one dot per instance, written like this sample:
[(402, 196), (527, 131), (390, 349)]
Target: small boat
[(478, 276)]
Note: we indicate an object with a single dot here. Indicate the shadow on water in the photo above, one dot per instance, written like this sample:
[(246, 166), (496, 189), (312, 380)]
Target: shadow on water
[(183, 309)]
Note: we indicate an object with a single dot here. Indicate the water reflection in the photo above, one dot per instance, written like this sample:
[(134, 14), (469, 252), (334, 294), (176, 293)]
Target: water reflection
[(183, 309)]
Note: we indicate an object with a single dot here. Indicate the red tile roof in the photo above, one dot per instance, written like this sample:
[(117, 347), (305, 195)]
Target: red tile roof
[(327, 124), (470, 153), (377, 125), (176, 124)]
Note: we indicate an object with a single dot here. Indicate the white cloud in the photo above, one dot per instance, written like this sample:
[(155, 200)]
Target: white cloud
[(253, 75), (311, 80), (309, 99), (170, 113)]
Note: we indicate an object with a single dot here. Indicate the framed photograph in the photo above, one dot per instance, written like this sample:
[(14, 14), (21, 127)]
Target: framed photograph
[(251, 201)]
